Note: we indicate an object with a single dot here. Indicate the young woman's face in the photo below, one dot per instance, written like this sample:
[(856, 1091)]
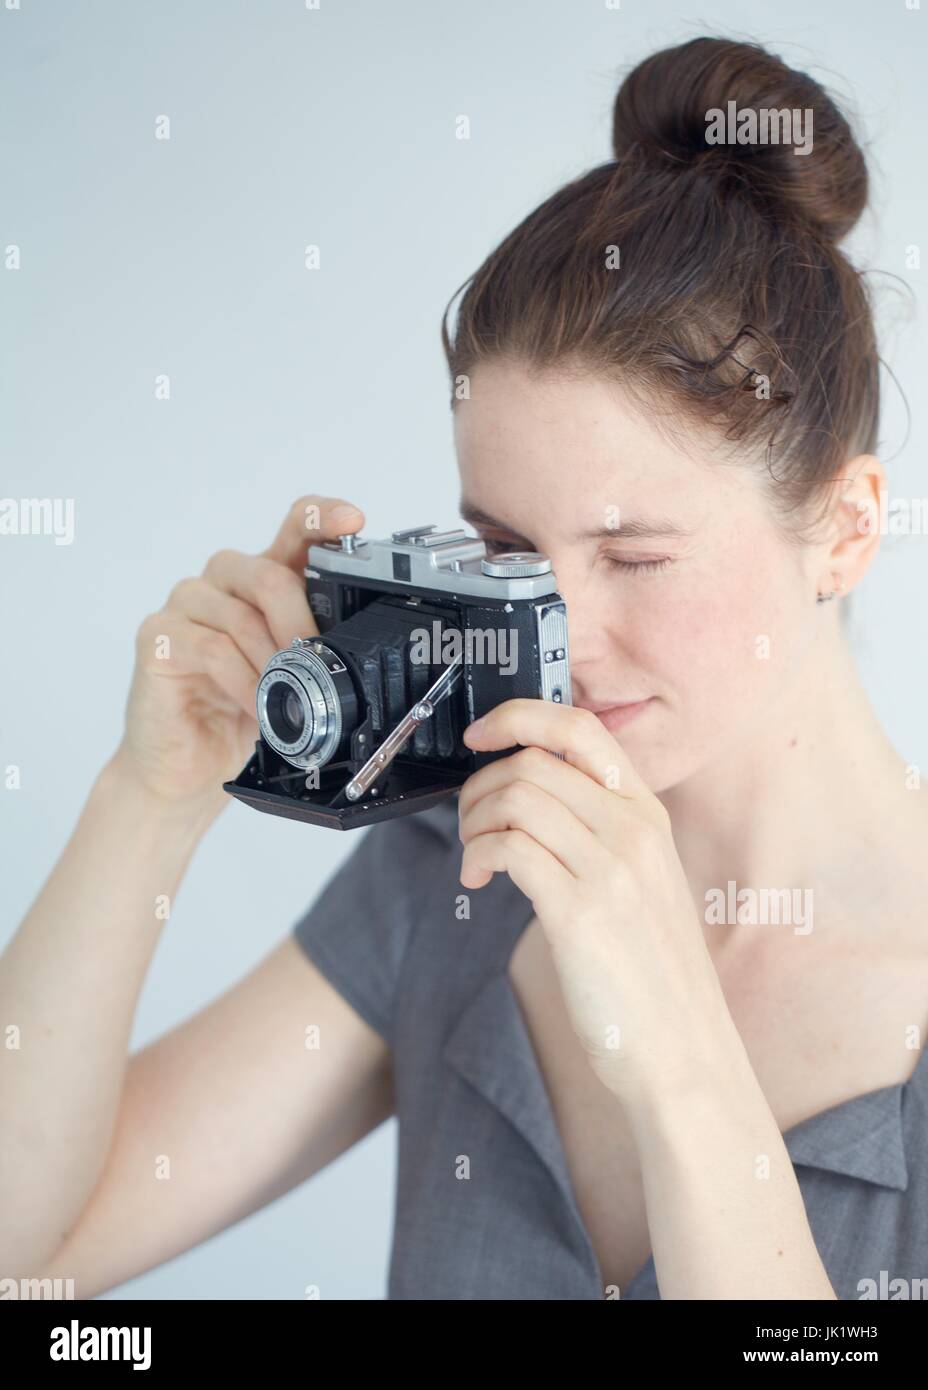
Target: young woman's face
[(691, 608)]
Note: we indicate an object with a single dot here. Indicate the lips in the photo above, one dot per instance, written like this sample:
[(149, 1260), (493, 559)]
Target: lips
[(606, 705), (616, 716)]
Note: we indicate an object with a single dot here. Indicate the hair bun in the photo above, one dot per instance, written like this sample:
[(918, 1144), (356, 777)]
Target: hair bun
[(662, 114)]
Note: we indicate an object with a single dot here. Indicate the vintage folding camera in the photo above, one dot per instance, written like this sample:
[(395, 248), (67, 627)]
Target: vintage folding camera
[(418, 636)]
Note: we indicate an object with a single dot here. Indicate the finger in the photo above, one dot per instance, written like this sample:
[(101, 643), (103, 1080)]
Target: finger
[(566, 729), (525, 806), (194, 650), (532, 869), (203, 603), (592, 805), (311, 519), (276, 591)]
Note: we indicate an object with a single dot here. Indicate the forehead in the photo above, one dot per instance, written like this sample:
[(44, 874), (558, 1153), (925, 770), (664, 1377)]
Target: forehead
[(579, 440)]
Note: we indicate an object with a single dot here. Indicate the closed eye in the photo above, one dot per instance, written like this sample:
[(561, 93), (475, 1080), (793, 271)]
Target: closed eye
[(643, 566)]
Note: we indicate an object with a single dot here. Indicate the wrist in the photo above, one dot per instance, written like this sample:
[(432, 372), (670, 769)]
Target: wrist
[(118, 785), (713, 1072)]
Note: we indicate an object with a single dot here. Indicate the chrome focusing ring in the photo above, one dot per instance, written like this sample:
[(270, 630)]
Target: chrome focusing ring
[(308, 671)]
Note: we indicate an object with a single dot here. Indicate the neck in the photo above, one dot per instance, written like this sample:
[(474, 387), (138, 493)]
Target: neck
[(815, 795)]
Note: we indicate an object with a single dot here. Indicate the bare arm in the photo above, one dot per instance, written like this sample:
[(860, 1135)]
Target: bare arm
[(111, 1164), (222, 1115), (82, 1121), (69, 984)]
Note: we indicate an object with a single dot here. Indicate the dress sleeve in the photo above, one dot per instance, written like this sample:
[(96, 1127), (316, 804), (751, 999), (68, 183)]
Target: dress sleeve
[(358, 928)]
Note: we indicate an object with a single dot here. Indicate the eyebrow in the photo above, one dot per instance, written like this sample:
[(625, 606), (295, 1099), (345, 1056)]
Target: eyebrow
[(633, 527)]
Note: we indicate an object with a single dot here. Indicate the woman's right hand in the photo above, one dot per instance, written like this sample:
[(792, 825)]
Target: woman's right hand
[(190, 715)]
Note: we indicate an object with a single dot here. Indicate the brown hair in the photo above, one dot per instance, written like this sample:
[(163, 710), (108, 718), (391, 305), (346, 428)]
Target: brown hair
[(729, 270)]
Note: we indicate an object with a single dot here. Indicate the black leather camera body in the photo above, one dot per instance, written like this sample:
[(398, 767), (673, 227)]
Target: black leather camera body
[(418, 636)]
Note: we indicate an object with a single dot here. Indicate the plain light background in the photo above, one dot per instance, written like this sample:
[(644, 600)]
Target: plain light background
[(139, 257)]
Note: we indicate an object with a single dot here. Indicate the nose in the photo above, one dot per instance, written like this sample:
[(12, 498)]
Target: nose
[(587, 640)]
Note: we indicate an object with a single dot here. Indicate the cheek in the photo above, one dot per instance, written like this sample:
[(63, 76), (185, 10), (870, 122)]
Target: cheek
[(720, 639)]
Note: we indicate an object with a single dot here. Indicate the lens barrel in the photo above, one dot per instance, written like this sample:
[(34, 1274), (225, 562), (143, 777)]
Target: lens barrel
[(306, 703)]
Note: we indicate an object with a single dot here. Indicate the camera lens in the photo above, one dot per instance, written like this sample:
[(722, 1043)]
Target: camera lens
[(293, 711), (306, 704), (285, 712)]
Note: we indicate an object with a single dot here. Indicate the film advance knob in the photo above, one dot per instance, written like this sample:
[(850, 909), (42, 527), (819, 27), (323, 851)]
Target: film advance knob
[(516, 564)]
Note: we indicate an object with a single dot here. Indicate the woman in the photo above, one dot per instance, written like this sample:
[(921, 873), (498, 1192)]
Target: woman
[(617, 1072)]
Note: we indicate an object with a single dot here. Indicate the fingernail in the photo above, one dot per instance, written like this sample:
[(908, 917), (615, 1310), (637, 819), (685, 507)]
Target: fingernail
[(475, 728), (343, 511)]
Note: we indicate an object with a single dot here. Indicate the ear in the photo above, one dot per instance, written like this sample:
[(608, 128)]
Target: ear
[(854, 534)]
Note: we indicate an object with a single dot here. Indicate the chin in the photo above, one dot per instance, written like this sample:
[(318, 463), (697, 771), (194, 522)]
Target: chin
[(655, 755), (661, 772)]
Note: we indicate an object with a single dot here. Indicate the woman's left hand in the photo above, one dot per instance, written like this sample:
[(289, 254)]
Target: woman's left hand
[(591, 846)]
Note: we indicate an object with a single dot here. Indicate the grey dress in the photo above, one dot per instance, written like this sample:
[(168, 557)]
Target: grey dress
[(484, 1203)]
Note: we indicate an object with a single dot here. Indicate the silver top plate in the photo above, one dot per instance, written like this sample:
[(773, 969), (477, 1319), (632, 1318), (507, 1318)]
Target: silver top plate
[(447, 561)]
